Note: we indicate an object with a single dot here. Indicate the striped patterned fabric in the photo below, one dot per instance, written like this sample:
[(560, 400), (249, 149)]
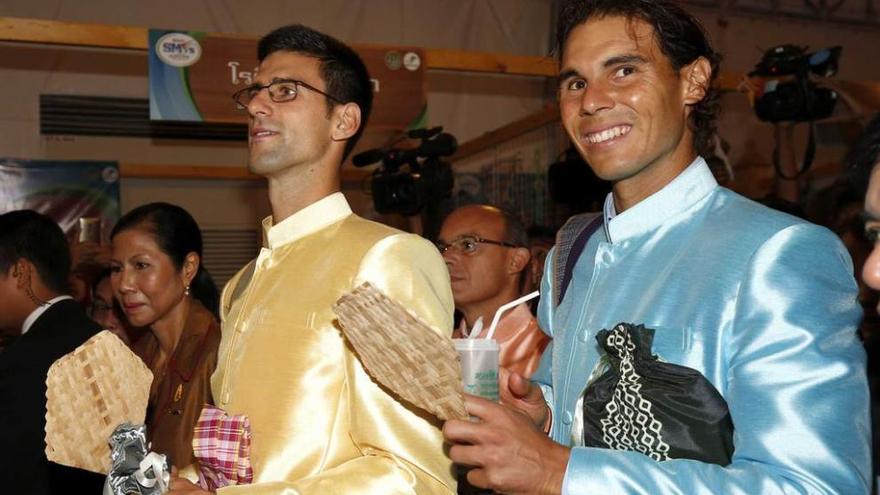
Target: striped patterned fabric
[(221, 444)]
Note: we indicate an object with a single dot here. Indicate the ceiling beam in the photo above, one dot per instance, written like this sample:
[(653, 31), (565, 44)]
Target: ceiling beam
[(546, 115), (63, 33)]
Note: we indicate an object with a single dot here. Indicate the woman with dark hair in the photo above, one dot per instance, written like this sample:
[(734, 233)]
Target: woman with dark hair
[(158, 279)]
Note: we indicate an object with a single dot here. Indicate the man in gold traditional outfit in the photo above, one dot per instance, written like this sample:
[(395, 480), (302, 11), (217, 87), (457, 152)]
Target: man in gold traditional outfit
[(320, 424)]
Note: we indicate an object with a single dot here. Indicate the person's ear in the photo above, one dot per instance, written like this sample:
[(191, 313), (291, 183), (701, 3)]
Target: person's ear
[(21, 270), (347, 121), (190, 267), (697, 76), (518, 259)]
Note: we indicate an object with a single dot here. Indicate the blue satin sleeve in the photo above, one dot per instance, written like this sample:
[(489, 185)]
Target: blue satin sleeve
[(546, 304), (543, 376), (794, 381)]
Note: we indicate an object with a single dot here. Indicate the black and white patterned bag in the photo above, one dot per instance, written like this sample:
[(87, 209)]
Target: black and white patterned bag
[(662, 410)]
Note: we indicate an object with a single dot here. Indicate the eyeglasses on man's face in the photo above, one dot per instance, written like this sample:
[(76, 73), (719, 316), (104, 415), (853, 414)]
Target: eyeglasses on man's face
[(280, 91), (467, 244)]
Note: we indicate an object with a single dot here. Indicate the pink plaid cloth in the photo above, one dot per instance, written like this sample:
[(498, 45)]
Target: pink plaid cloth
[(222, 446)]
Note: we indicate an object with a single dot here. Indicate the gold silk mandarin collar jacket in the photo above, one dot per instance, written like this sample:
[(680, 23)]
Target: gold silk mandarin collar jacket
[(320, 424)]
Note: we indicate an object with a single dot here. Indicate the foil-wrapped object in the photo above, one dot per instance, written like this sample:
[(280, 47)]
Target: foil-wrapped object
[(135, 470)]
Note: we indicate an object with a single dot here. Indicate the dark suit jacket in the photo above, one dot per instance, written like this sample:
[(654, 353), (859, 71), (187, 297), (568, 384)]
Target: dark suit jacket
[(23, 369)]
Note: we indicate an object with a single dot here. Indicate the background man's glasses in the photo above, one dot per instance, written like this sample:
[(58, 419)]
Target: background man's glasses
[(280, 91), (467, 244)]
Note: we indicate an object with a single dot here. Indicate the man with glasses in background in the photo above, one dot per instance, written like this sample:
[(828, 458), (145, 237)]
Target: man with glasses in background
[(486, 254), (320, 424)]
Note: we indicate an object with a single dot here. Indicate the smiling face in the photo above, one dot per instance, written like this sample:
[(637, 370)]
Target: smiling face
[(145, 281), (286, 135), (625, 107)]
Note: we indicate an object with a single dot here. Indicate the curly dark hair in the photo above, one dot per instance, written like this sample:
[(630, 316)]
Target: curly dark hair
[(680, 37), (863, 155)]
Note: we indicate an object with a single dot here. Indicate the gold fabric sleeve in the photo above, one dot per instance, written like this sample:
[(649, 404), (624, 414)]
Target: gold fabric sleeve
[(320, 424)]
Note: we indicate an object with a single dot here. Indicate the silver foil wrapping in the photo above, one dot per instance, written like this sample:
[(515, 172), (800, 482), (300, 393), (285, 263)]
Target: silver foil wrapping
[(135, 470)]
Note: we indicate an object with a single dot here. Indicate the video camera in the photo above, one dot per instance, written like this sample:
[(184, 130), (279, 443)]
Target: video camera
[(409, 179), (788, 93)]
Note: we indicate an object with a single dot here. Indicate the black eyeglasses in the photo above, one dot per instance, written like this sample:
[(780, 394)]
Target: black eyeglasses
[(280, 91), (467, 244)]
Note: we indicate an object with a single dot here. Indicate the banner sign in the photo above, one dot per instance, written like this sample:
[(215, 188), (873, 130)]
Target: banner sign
[(193, 76), (63, 190)]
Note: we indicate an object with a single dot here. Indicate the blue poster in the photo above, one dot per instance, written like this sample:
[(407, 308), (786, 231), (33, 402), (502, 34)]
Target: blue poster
[(170, 53)]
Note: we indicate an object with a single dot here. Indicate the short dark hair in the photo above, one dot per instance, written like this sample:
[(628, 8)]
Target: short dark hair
[(680, 37), (38, 239), (342, 69), (177, 234), (863, 155)]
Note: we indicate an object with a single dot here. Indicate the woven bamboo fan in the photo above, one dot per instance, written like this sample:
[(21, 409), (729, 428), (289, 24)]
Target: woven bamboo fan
[(89, 393), (401, 352)]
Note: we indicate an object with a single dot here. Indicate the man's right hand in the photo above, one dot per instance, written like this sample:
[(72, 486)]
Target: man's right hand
[(521, 394)]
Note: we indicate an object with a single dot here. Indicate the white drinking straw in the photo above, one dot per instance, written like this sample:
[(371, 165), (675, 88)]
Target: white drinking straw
[(507, 306), (477, 328)]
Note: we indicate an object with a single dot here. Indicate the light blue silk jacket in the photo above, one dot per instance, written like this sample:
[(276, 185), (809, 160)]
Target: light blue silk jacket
[(760, 302)]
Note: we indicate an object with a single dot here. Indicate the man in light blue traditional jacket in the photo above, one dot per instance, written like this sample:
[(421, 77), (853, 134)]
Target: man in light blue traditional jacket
[(760, 305)]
